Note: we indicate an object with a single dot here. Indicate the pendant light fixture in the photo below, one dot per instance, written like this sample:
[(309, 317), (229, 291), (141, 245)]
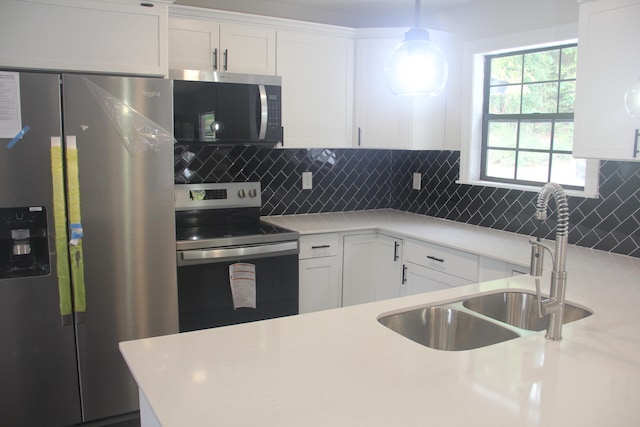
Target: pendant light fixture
[(417, 66)]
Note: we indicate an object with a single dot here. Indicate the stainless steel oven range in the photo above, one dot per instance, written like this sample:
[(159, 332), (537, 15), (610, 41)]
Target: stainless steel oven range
[(232, 267)]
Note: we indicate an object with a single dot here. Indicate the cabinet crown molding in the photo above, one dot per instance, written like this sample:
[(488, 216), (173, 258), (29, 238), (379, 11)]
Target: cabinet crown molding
[(179, 11)]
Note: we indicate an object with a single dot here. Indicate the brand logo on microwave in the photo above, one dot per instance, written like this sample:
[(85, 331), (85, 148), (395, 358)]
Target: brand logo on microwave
[(151, 93)]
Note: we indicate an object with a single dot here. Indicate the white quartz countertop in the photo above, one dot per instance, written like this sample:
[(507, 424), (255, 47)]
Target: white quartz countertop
[(343, 368), (500, 245)]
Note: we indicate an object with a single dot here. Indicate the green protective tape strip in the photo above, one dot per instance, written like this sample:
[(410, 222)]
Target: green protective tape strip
[(75, 249), (60, 228)]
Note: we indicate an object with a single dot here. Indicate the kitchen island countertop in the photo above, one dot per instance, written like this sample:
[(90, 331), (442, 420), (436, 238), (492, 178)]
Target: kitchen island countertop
[(343, 368)]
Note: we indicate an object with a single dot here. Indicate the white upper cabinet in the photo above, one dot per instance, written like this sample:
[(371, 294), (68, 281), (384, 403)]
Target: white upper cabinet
[(84, 35), (383, 120), (317, 89), (608, 64), (193, 44), (203, 44)]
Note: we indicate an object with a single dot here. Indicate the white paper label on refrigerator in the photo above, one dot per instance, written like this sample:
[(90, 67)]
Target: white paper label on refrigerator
[(10, 113)]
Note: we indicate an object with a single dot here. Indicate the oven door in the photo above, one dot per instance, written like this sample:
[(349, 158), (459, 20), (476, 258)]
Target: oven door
[(204, 290)]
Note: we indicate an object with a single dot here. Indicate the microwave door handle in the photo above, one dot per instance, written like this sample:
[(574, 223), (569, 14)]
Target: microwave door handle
[(264, 112)]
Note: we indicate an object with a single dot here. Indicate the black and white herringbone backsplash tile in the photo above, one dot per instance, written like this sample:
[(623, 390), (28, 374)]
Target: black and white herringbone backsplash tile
[(351, 179), (343, 180)]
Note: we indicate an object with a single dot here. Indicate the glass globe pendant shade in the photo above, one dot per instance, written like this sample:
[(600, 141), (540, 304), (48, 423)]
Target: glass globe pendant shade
[(632, 99), (417, 66)]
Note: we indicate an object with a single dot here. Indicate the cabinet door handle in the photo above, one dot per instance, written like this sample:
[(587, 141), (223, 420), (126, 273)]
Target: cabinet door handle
[(404, 274), (226, 59), (215, 59), (434, 258), (396, 245), (359, 136), (320, 247), (635, 144)]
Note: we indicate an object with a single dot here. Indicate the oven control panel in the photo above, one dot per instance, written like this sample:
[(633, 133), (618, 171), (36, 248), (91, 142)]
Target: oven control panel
[(217, 196)]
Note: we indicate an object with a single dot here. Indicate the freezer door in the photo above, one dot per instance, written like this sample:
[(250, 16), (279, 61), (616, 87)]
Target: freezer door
[(39, 379), (127, 217)]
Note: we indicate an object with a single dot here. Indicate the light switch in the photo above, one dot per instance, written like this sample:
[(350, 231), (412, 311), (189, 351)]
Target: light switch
[(307, 180), (417, 181)]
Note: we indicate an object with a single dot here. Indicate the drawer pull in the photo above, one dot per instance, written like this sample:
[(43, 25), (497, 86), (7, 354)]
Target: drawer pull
[(320, 247), (435, 259)]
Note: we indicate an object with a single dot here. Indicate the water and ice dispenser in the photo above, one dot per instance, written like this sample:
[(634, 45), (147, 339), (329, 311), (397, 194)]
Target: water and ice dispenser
[(24, 248)]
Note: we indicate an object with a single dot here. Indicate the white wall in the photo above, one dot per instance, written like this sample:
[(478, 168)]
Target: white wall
[(491, 18)]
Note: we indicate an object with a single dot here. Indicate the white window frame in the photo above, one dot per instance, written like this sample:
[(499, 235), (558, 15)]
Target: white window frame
[(472, 92)]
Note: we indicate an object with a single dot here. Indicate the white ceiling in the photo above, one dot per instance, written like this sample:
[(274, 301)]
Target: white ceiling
[(349, 13)]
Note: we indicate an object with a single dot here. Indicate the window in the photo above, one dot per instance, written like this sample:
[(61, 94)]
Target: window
[(528, 118), (517, 116)]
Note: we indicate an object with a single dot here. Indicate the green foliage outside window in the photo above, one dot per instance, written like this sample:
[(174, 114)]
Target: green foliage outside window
[(528, 117)]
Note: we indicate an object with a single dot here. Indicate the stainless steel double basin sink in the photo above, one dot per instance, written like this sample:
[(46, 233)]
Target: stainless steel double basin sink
[(476, 321)]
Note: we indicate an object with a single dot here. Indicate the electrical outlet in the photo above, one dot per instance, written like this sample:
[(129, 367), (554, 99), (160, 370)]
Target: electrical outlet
[(417, 181), (307, 180)]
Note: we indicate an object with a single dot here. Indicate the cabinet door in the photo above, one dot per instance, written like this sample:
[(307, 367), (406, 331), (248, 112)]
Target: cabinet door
[(247, 49), (382, 119), (193, 44), (320, 284), (492, 269), (608, 64), (317, 89), (447, 260), (419, 279), (389, 267), (84, 36), (359, 272)]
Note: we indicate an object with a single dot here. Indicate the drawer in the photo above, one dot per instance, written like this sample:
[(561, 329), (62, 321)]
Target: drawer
[(319, 245), (447, 260)]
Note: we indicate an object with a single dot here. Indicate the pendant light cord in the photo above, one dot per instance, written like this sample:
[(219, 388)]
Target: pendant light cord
[(417, 14)]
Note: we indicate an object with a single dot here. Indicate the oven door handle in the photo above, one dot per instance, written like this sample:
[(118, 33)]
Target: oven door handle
[(240, 252)]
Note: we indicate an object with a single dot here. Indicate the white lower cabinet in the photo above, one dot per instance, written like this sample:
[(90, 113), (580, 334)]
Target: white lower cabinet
[(371, 268), (492, 269), (320, 273), (419, 279), (389, 267), (359, 272), (428, 267), (347, 269)]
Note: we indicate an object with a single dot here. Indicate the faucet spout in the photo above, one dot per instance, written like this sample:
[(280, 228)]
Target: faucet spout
[(554, 305)]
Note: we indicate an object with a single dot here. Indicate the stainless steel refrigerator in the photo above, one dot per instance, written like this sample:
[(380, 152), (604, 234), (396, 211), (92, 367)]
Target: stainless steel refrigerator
[(87, 241)]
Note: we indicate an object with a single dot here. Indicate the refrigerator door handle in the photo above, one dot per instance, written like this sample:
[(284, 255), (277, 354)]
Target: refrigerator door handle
[(60, 232), (75, 247)]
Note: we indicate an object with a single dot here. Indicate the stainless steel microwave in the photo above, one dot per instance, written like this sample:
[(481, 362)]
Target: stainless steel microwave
[(226, 109)]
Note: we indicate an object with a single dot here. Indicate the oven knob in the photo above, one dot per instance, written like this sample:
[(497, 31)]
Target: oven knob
[(253, 192), (241, 193)]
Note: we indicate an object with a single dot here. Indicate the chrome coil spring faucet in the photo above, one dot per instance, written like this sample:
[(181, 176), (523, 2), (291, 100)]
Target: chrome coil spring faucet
[(554, 305)]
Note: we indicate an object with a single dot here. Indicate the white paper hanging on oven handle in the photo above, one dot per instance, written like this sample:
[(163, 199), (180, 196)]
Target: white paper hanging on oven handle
[(242, 277)]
